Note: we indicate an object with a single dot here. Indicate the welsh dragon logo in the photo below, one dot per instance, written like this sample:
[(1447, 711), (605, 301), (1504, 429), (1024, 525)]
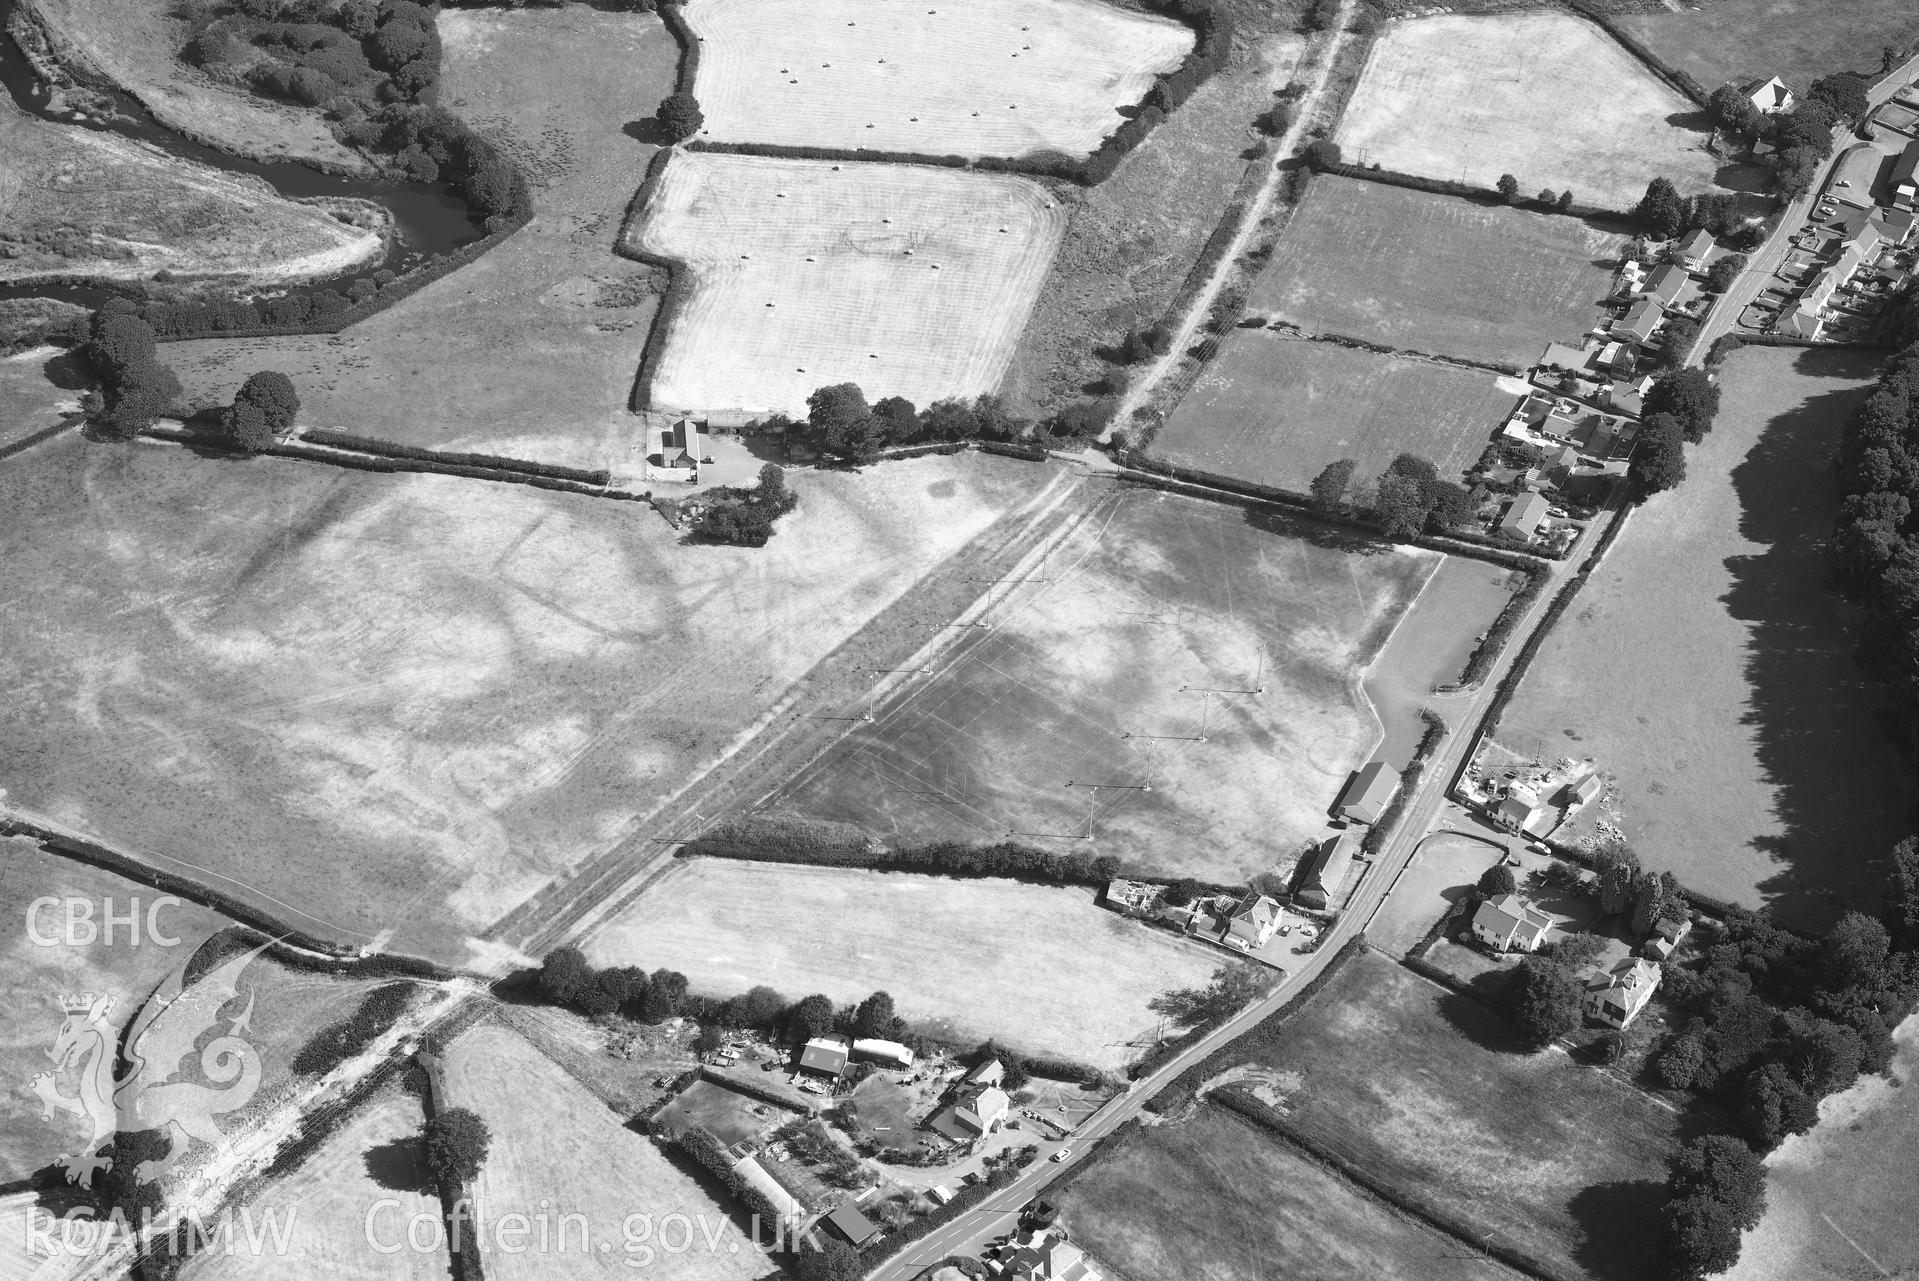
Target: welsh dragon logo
[(148, 1097)]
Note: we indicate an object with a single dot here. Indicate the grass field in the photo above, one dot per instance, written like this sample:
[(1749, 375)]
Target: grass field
[(85, 206), (907, 280), (1427, 1092), (1131, 240), (1213, 1195), (1276, 410), (729, 1116), (1432, 646), (553, 1142), (1709, 669), (1547, 97), (531, 349), (134, 44), (1435, 273), (375, 703), (1445, 867), (373, 1154), (1838, 1199), (37, 975), (1797, 40), (986, 78), (1100, 674), (29, 404), (1038, 967)]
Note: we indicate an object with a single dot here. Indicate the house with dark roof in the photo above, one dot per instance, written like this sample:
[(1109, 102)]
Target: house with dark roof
[(1368, 794), (1510, 924), (1047, 1256), (1905, 177), (681, 447), (851, 1226), (825, 1056), (1251, 923), (1583, 792), (1615, 996), (1326, 874)]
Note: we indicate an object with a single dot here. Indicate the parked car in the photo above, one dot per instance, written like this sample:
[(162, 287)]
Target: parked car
[(1063, 1154)]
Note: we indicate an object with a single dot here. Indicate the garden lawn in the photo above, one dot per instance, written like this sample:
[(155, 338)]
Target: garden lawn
[(1177, 681), (1037, 967), (395, 706), (1547, 97), (1797, 40), (1436, 273), (1426, 1092), (530, 350), (607, 1191), (727, 1115), (1707, 667), (1213, 1195), (1276, 410)]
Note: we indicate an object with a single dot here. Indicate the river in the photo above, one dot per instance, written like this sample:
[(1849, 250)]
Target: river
[(428, 219)]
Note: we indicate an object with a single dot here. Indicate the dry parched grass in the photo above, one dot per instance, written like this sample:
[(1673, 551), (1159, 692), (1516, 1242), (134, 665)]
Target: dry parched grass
[(979, 78), (907, 280), (1040, 968), (1276, 410), (1434, 273), (1547, 97)]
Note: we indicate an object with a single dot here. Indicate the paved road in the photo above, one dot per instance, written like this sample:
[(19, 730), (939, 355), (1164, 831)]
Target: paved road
[(998, 1214), (1766, 259)]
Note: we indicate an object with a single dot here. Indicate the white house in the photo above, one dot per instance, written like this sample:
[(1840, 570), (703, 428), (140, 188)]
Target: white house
[(1616, 996), (1770, 95), (1509, 924)]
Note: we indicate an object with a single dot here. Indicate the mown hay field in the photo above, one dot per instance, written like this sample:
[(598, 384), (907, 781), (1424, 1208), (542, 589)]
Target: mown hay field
[(1038, 967), (1213, 1195), (616, 1203), (983, 78), (530, 350), (1431, 1094), (1709, 669), (908, 280), (135, 44), (1797, 40), (1435, 273), (1091, 706), (1546, 97), (346, 1207), (85, 206), (1275, 410), (404, 703)]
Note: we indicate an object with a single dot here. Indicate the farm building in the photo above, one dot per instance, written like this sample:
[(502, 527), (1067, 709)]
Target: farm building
[(824, 1055), (1616, 996), (1770, 95), (754, 1175), (1326, 874), (1584, 792), (680, 448), (1367, 795), (1509, 924), (1523, 517), (1252, 922), (1905, 177), (991, 1072), (1135, 898), (879, 1051), (1693, 251), (729, 422), (855, 1228)]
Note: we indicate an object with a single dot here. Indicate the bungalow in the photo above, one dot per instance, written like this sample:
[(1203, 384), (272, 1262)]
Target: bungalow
[(1559, 424), (1135, 898), (1523, 517), (1509, 924), (1665, 284), (1692, 252), (824, 1056), (1566, 359), (883, 1052), (1326, 874), (1640, 323), (1366, 796), (1252, 922), (1769, 95), (1905, 177), (1626, 398), (1558, 465), (851, 1225), (1616, 996)]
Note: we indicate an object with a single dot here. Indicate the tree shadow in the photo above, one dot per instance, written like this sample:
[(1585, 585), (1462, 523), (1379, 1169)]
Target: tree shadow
[(1745, 177), (1697, 119), (400, 1165), (1320, 533), (1839, 792), (1618, 1222), (69, 371), (1474, 1017), (649, 131)]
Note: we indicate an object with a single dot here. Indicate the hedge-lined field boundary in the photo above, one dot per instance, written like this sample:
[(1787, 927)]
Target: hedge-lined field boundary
[(1680, 80), (1466, 190), (394, 449), (679, 279), (1377, 835)]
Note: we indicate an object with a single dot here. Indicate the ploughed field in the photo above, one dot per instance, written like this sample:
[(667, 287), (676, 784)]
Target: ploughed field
[(908, 280), (1040, 968), (1433, 273), (373, 704), (1175, 681), (1547, 97), (1708, 668), (980, 78), (84, 206), (1275, 410)]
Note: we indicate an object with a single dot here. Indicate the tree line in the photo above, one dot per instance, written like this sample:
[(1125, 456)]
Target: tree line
[(1408, 499), (745, 517), (136, 389), (841, 424), (1803, 139)]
